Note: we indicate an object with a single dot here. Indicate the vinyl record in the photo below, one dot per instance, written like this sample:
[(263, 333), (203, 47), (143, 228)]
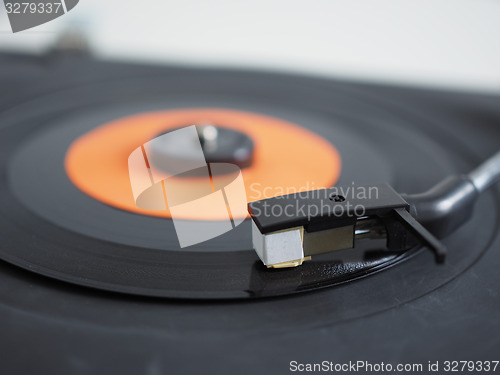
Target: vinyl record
[(112, 248)]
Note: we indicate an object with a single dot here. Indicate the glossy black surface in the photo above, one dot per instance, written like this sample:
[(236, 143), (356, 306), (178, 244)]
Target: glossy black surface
[(86, 242)]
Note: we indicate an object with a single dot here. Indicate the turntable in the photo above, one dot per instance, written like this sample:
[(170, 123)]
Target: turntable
[(90, 279)]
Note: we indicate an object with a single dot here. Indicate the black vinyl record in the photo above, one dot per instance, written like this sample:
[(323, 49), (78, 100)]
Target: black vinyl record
[(409, 138)]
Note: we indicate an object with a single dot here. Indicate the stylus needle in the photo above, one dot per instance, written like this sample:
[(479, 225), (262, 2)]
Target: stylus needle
[(288, 230)]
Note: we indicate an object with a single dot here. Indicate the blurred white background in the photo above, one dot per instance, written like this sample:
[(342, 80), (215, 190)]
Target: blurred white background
[(438, 43)]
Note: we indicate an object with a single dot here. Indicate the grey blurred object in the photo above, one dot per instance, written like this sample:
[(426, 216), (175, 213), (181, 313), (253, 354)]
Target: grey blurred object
[(71, 40)]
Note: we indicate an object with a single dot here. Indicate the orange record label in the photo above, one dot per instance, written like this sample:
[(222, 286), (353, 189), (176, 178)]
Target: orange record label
[(287, 157)]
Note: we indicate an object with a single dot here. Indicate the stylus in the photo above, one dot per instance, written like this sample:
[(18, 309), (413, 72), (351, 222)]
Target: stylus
[(289, 229)]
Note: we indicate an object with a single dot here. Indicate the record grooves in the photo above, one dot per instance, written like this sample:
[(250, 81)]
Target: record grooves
[(149, 272)]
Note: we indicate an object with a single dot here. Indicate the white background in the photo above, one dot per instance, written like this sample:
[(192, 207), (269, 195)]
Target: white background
[(440, 43)]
